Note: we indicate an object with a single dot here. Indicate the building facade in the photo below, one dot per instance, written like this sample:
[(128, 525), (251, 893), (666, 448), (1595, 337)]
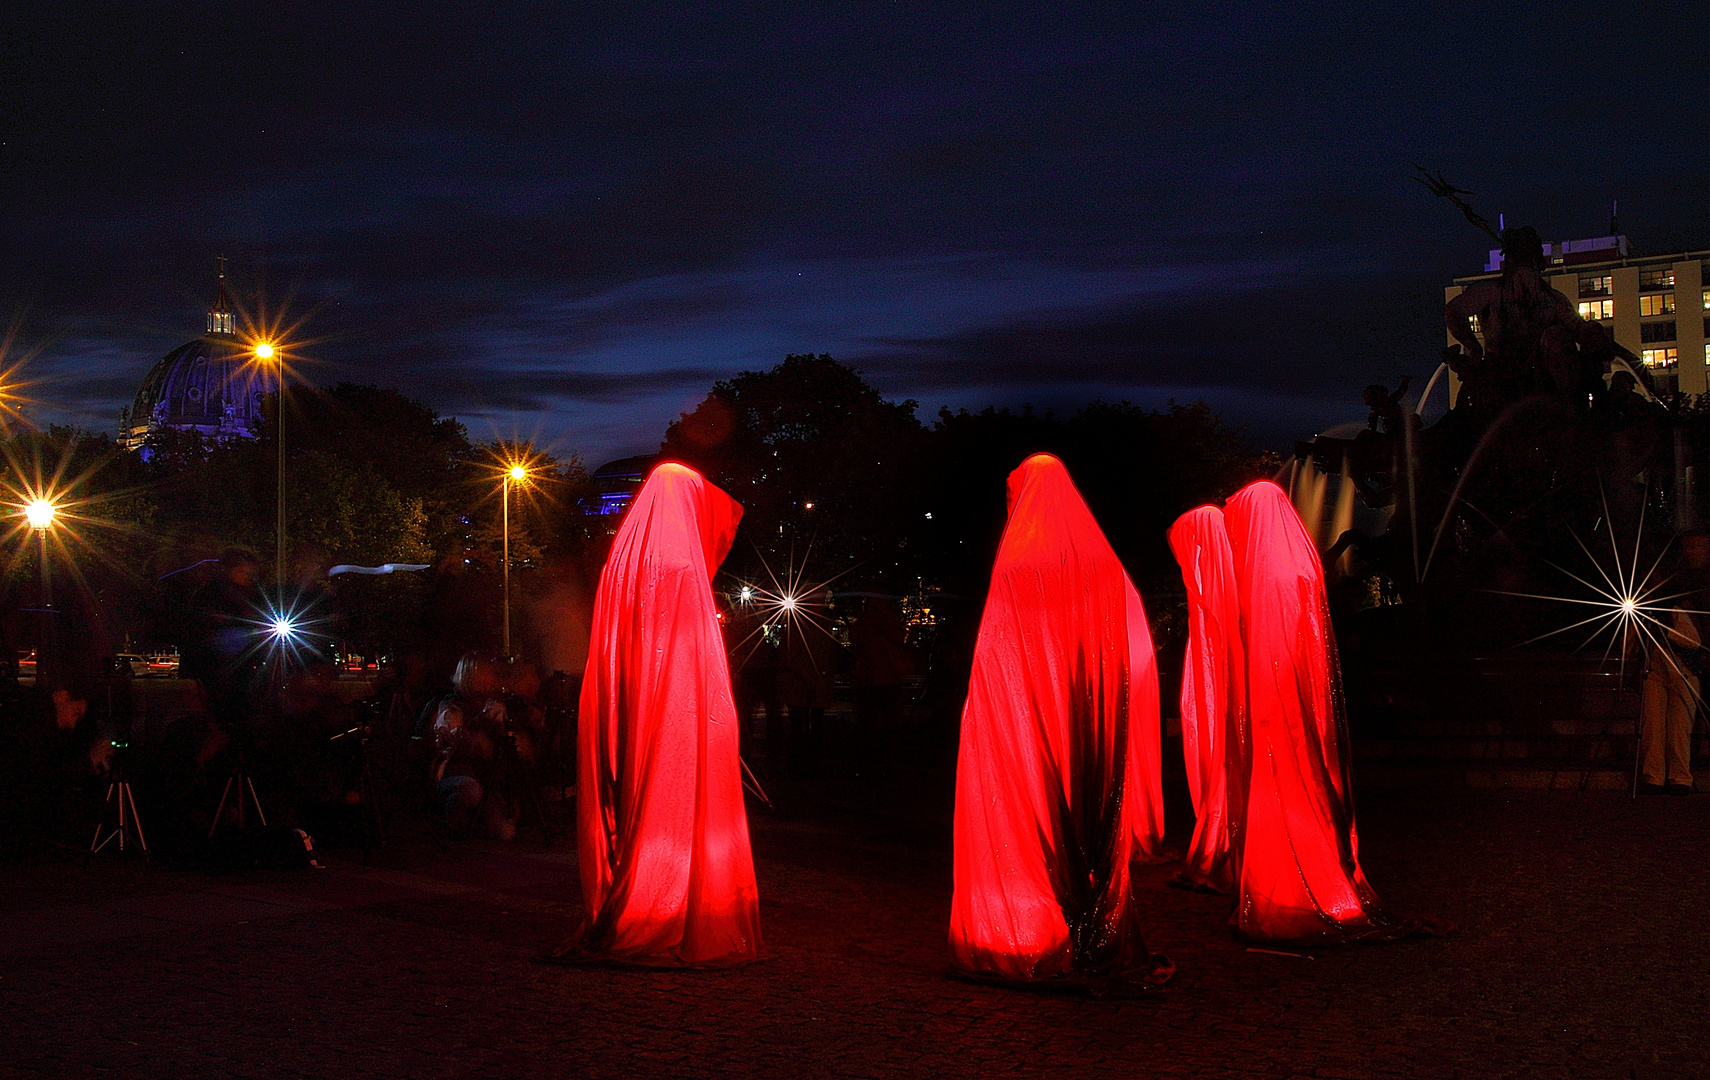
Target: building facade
[(616, 484), (211, 386), (1657, 307)]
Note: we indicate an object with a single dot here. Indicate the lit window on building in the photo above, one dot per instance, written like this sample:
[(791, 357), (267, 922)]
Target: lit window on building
[(1596, 286), (1657, 331), (1656, 279), (1707, 299), (1657, 304), (1597, 309), (1660, 359)]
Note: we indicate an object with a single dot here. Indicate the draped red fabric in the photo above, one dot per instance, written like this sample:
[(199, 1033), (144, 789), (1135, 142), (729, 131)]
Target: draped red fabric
[(1214, 699), (667, 875), (1143, 801), (1043, 834), (1300, 876)]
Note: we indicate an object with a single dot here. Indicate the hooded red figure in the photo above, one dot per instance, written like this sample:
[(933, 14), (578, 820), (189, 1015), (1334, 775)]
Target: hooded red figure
[(662, 833), (1062, 713), (1300, 876), (1214, 699)]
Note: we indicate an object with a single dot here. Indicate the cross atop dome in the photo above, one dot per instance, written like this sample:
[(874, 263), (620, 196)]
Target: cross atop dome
[(220, 317)]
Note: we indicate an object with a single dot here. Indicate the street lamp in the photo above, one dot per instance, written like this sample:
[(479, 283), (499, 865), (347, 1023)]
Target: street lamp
[(264, 351), (39, 513), (515, 474)]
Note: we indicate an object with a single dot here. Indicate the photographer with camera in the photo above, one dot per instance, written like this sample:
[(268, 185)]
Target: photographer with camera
[(472, 738)]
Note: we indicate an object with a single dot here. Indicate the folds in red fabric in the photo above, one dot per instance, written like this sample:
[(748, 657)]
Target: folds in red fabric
[(667, 875), (1061, 716), (1300, 877), (1214, 700)]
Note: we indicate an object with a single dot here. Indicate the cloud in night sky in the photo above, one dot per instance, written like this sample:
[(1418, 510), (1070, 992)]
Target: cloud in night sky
[(569, 221)]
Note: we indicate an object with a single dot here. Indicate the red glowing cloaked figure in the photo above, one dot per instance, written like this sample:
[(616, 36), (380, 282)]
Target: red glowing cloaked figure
[(667, 874), (1063, 686), (1300, 877), (1214, 699)]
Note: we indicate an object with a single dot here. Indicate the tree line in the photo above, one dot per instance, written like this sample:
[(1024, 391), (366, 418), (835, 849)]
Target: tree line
[(834, 479)]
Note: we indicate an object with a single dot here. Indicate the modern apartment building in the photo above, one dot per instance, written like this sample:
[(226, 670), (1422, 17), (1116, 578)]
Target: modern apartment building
[(1656, 306)]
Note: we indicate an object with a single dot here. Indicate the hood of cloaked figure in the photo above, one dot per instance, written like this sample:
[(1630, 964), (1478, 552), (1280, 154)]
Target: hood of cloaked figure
[(1263, 524), (679, 491)]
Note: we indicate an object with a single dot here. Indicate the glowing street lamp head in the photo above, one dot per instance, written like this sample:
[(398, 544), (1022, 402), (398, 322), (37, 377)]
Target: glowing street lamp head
[(788, 603), (40, 514), (264, 351), (517, 473), (1629, 606), (747, 594), (281, 627)]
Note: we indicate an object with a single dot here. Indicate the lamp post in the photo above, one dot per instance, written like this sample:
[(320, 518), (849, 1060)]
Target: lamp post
[(39, 514), (515, 474), (264, 351)]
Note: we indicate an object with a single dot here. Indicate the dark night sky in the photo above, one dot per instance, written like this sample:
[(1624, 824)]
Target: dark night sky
[(566, 221)]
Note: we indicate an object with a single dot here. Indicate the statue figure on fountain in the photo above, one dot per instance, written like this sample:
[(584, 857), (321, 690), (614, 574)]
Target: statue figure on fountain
[(1534, 438), (1387, 409), (1534, 341)]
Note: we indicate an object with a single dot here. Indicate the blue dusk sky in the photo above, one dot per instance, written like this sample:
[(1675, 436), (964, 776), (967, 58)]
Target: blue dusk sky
[(566, 221)]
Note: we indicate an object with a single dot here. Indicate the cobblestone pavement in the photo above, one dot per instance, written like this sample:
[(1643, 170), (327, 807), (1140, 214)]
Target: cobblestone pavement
[(1584, 925)]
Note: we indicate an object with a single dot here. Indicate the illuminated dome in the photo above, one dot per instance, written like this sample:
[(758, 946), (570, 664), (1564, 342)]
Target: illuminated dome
[(211, 386)]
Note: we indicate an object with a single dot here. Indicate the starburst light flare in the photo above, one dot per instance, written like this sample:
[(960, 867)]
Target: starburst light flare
[(274, 340), (46, 508), (13, 386), (39, 513), (293, 632), (1633, 608), (792, 606)]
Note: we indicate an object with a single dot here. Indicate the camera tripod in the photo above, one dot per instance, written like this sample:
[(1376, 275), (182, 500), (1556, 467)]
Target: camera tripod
[(244, 785), (752, 783), (119, 809), (365, 791), (524, 782), (240, 784)]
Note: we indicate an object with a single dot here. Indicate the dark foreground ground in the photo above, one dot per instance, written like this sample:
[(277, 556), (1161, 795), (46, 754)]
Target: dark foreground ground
[(1585, 932)]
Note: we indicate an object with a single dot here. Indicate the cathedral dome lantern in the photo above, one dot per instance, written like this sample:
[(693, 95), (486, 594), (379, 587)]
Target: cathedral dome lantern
[(211, 386), (220, 317)]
